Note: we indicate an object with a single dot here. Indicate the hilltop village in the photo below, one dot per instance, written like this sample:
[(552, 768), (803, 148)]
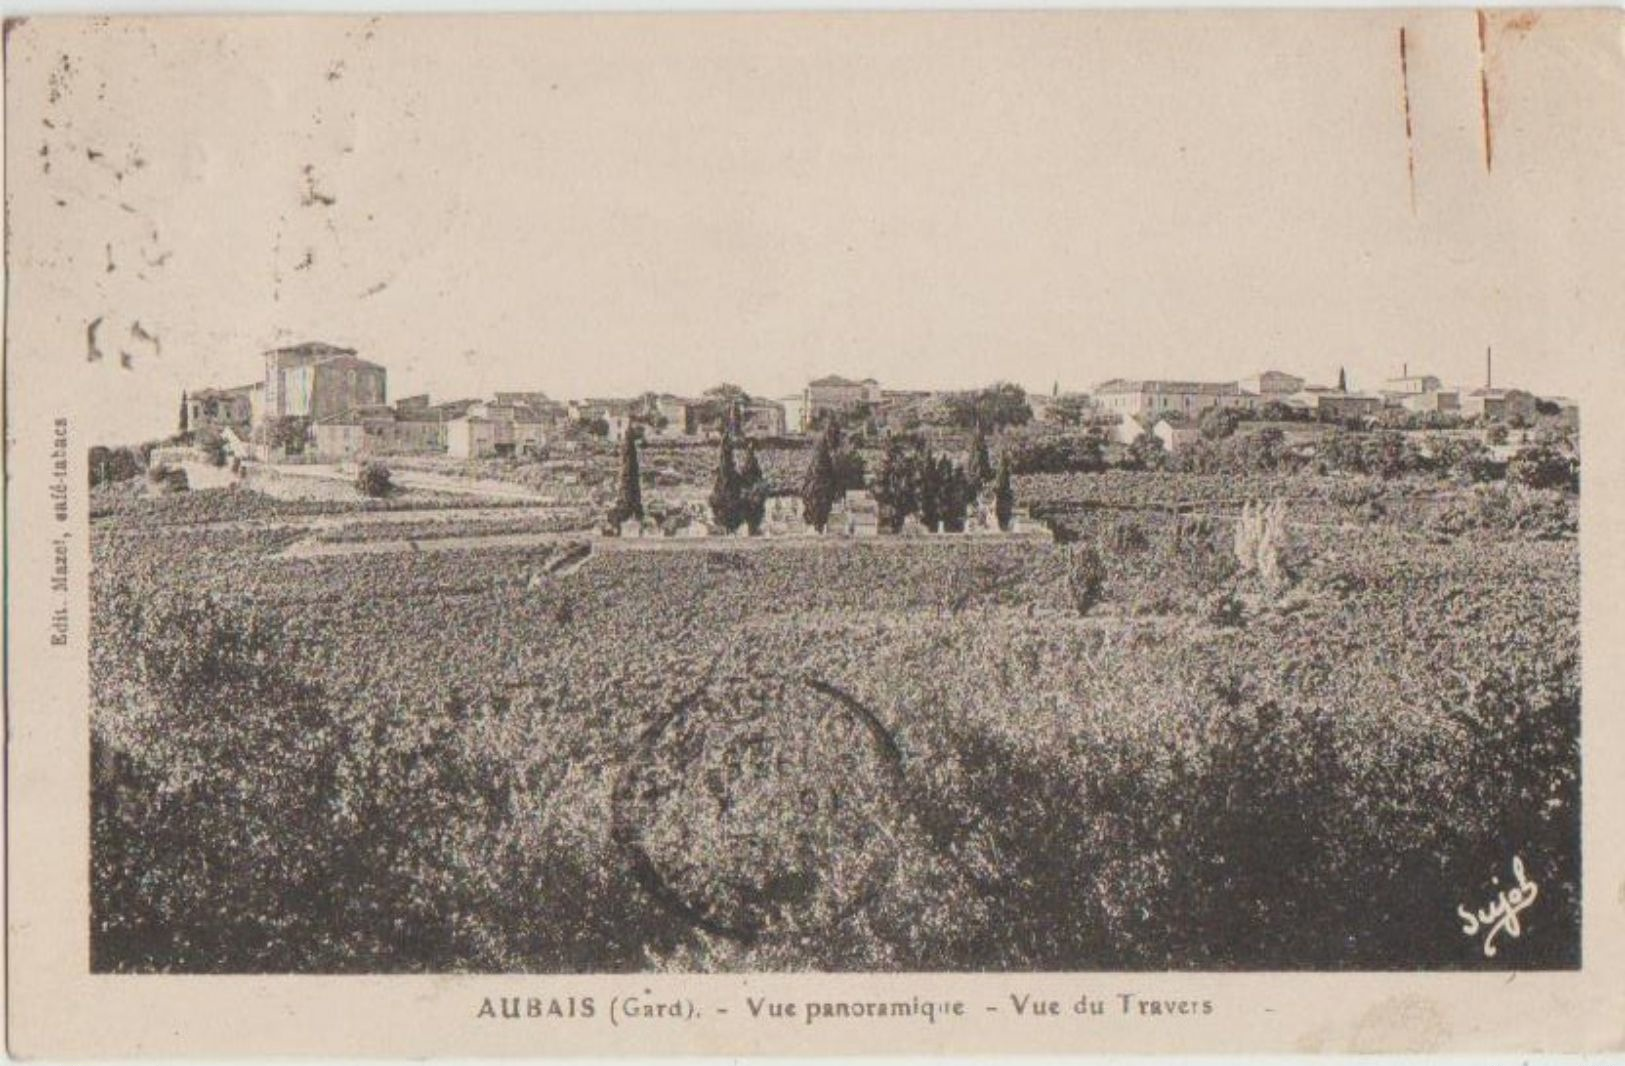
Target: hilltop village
[(934, 455), (328, 404)]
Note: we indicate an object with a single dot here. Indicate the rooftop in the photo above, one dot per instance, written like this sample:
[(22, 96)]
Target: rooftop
[(1118, 386), (835, 381), (311, 350)]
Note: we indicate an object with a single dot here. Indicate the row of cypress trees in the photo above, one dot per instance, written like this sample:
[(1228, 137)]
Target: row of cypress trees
[(907, 481)]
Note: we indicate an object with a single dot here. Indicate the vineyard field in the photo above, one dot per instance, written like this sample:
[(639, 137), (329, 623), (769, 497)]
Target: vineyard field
[(1124, 752)]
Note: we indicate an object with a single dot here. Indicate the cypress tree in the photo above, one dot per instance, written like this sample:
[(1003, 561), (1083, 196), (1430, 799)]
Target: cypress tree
[(895, 486), (1342, 380), (818, 487), (753, 491), (725, 496), (980, 467), (953, 493), (186, 418), (832, 433), (1004, 497), (930, 489), (629, 492)]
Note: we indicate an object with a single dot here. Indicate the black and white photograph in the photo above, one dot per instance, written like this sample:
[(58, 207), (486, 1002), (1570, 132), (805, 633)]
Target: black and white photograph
[(962, 494)]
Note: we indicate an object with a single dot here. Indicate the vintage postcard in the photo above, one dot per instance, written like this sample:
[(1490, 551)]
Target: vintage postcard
[(809, 534)]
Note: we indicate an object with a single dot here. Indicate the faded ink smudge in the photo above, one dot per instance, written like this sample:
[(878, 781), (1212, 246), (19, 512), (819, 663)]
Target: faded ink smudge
[(1484, 92), (1405, 95)]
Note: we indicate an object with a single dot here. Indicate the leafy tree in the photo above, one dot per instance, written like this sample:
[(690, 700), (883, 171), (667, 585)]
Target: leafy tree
[(1066, 453), (1147, 453), (186, 417), (998, 405), (287, 433), (1217, 423), (629, 489), (110, 465), (1269, 449), (1004, 496), (819, 487), (725, 395), (726, 498), (717, 407), (373, 479), (753, 491), (1390, 455), (1067, 410), (212, 443), (1541, 467)]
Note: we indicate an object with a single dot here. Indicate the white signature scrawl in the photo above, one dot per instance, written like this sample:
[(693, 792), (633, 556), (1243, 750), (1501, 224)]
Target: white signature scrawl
[(1501, 915)]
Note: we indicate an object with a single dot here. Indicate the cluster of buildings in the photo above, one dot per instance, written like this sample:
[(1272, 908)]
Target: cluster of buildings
[(1146, 405), (324, 402), (1417, 393)]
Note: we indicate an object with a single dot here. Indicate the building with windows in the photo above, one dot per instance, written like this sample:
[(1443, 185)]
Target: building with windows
[(1499, 405), (485, 430), (318, 381), (1434, 401), (379, 430), (763, 418), (1146, 399), (834, 393), (1272, 384), (1337, 404), (795, 412), (223, 408)]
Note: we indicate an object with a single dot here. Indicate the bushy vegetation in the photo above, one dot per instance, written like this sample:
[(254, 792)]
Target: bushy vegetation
[(236, 503), (903, 755), (452, 528), (373, 480)]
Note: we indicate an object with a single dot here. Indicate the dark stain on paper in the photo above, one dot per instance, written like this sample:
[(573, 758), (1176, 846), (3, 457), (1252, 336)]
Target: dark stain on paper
[(1405, 96), (1484, 92)]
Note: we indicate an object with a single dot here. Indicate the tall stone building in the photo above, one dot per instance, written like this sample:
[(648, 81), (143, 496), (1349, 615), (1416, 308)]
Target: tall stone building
[(319, 381)]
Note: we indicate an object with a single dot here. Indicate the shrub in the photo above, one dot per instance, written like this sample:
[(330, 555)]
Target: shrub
[(1127, 536), (112, 465), (1509, 510), (212, 443), (1057, 453), (1085, 577), (373, 480), (1543, 467), (1224, 609), (168, 479)]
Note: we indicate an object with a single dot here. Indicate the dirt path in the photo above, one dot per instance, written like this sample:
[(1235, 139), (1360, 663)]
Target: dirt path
[(419, 479), (312, 548)]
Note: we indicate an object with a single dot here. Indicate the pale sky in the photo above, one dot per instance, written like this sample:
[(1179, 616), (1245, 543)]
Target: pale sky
[(599, 205)]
